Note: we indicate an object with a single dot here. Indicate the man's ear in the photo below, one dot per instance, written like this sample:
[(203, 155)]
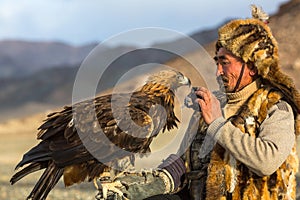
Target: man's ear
[(252, 69), (253, 72)]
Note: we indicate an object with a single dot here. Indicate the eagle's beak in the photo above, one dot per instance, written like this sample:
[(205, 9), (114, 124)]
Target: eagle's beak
[(189, 82), (186, 81)]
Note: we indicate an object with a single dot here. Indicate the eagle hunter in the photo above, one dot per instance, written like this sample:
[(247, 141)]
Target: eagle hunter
[(65, 135)]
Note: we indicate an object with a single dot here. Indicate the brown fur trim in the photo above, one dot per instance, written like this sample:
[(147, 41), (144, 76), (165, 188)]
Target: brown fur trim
[(216, 183), (222, 174)]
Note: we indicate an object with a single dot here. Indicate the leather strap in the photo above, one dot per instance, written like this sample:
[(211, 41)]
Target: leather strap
[(240, 78)]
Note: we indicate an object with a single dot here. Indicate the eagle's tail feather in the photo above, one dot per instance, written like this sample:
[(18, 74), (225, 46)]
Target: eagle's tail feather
[(37, 154), (27, 170), (47, 181)]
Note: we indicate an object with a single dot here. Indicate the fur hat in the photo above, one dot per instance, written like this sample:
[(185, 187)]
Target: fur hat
[(252, 40)]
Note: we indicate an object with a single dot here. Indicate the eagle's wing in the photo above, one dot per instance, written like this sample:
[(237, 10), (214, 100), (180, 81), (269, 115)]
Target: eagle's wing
[(91, 129), (96, 129)]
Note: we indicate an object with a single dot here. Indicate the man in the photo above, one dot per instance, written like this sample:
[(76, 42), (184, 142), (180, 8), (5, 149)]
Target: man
[(252, 135)]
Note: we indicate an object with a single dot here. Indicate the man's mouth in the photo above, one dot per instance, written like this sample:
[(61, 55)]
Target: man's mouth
[(222, 80)]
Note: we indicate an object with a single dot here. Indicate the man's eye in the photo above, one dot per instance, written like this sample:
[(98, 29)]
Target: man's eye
[(224, 62)]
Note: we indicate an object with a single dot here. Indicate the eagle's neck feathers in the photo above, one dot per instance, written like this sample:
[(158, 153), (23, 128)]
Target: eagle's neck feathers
[(163, 95), (159, 90)]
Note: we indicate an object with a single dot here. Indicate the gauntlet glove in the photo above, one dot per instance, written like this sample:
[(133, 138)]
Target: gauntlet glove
[(165, 179)]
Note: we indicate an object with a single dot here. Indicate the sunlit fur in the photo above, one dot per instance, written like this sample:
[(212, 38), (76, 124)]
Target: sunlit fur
[(226, 175)]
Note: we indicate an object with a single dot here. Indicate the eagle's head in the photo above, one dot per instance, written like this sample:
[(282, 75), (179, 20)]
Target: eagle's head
[(169, 78)]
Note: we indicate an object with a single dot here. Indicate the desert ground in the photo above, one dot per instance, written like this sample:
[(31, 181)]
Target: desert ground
[(18, 136)]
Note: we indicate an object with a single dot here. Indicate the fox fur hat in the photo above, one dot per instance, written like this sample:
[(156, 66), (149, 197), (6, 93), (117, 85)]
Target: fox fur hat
[(252, 41)]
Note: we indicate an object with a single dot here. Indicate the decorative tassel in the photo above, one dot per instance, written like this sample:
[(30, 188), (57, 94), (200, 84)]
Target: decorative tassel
[(258, 13)]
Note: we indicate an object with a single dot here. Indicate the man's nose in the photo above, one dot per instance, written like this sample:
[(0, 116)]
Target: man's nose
[(219, 70)]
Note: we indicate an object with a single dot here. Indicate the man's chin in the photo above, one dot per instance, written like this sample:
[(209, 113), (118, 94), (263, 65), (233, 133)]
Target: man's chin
[(223, 88)]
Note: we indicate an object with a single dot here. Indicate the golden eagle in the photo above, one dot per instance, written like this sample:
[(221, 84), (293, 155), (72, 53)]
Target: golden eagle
[(72, 143)]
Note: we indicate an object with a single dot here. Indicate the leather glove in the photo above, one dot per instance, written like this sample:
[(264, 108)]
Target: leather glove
[(137, 185), (140, 185)]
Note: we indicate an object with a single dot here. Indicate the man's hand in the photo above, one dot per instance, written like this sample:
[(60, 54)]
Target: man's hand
[(210, 105)]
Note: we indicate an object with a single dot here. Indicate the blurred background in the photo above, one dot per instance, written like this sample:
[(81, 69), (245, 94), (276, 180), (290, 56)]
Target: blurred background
[(43, 43)]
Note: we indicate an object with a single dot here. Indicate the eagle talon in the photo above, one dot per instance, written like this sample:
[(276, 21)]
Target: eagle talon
[(110, 190)]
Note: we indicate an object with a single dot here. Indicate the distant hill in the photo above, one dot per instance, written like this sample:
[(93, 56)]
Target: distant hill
[(19, 58), (51, 67), (286, 28), (33, 80)]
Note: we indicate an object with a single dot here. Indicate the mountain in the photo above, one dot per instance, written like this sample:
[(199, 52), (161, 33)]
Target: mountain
[(32, 80), (19, 58), (44, 72), (286, 28)]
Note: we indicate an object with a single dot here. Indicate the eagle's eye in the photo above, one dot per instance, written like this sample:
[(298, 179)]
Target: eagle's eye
[(179, 77)]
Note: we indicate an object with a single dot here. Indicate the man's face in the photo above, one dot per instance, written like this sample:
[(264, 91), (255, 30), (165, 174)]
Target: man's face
[(229, 69)]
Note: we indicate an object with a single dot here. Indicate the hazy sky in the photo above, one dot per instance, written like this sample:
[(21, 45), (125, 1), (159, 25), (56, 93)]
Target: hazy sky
[(78, 22)]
